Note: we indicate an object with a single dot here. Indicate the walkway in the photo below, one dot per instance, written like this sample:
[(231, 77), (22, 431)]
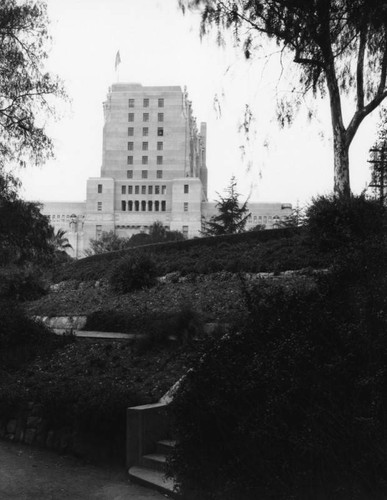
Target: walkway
[(31, 474)]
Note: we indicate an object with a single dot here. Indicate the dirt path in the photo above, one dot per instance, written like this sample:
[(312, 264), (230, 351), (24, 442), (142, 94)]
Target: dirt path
[(27, 473)]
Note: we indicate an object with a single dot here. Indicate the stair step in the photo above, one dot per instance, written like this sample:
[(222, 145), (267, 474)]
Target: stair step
[(153, 479), (165, 446), (154, 461)]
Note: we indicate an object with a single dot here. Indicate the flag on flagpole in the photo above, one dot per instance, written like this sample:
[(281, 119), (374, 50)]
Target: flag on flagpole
[(118, 60)]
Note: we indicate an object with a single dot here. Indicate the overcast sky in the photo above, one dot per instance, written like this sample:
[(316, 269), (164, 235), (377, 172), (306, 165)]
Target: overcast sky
[(160, 46)]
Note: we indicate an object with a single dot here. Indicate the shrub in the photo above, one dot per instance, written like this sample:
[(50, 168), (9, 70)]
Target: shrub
[(136, 271), (21, 338), (333, 221), (21, 283), (293, 406)]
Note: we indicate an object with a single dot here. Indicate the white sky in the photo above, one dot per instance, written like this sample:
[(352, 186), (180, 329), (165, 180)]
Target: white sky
[(160, 46)]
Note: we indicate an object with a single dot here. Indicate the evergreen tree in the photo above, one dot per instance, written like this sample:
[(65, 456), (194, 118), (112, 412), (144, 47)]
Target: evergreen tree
[(231, 218)]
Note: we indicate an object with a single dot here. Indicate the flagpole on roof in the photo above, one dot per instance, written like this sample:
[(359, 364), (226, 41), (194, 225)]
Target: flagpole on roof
[(117, 65)]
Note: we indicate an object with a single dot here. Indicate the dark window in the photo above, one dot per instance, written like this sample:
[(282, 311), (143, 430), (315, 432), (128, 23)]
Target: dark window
[(144, 160), (136, 189), (159, 174), (123, 189), (145, 146), (157, 206), (130, 189), (129, 174), (130, 160), (157, 189), (145, 131), (163, 205), (143, 189), (186, 188), (99, 188), (159, 160), (159, 146), (130, 206), (161, 103), (131, 103), (130, 131), (131, 117), (145, 117), (160, 131), (185, 206), (150, 189), (146, 103), (123, 205), (136, 205), (160, 117), (143, 206), (144, 174), (150, 206), (130, 146)]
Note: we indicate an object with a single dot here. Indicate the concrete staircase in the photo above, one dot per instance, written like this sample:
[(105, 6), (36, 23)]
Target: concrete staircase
[(150, 471)]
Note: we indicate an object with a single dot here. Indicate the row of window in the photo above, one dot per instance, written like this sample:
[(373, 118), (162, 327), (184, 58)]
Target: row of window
[(145, 160), (144, 174), (145, 102), (144, 206), (264, 218), (145, 117), (136, 189), (145, 146), (145, 131)]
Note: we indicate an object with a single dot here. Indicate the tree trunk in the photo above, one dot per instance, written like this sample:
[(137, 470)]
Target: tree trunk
[(340, 142), (341, 162)]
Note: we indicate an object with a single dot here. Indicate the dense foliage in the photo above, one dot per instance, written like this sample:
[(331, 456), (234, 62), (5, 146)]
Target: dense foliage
[(21, 338), (21, 283), (253, 251), (294, 405), (25, 233), (110, 242), (25, 88), (133, 272), (334, 222)]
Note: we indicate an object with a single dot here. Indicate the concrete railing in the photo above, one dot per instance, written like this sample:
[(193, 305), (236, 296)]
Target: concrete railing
[(145, 425)]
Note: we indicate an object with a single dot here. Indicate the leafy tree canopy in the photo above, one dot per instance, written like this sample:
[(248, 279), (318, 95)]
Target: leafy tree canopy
[(340, 47), (25, 234), (25, 88), (231, 218), (111, 242)]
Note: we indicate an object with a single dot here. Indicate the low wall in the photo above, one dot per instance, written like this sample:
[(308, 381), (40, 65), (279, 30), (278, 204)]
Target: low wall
[(28, 425)]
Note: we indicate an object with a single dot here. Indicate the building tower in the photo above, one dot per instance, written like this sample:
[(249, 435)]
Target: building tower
[(153, 163)]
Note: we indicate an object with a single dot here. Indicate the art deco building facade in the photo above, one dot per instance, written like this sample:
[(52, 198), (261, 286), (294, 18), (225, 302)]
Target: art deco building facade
[(153, 163), (153, 168)]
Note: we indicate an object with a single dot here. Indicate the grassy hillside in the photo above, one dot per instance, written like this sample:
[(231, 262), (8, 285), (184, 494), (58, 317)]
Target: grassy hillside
[(260, 251)]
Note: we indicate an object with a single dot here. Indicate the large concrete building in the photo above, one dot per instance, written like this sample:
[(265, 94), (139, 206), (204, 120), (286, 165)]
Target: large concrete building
[(153, 168)]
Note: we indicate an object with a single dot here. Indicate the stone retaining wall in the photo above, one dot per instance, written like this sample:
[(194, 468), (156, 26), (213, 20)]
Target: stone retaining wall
[(28, 425)]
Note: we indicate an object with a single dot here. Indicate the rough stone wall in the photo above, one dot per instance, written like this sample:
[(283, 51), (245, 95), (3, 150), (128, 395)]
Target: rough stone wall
[(28, 425)]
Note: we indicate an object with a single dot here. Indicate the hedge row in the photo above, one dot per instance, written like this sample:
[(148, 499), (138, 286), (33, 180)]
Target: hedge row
[(235, 252)]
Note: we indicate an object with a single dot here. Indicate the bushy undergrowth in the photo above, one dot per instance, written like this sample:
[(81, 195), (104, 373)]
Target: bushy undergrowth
[(21, 283), (133, 272), (294, 405), (259, 251), (86, 386), (21, 338), (335, 222)]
